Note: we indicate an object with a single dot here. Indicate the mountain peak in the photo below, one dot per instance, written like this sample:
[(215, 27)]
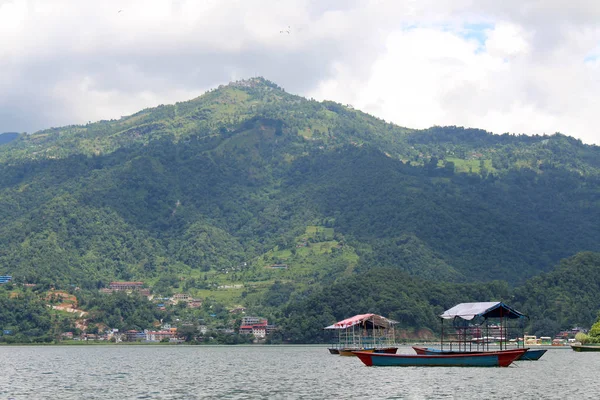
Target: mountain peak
[(254, 82)]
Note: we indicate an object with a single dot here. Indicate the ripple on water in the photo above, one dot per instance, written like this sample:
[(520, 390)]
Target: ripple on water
[(286, 372)]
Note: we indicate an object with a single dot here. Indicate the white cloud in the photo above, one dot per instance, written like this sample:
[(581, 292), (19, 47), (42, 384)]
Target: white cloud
[(501, 66)]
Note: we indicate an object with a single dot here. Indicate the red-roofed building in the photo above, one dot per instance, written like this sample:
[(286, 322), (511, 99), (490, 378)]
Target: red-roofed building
[(260, 329)]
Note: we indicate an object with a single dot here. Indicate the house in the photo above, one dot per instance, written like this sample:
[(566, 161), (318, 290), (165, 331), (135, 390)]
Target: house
[(125, 286), (249, 320), (271, 329), (157, 336), (176, 298), (278, 266), (195, 303), (5, 279), (132, 335), (259, 331), (259, 327), (245, 330)]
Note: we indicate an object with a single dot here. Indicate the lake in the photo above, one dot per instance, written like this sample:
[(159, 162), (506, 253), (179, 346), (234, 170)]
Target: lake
[(276, 372)]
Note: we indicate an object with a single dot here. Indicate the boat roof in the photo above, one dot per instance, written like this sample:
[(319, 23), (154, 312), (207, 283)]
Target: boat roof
[(369, 320), (469, 311)]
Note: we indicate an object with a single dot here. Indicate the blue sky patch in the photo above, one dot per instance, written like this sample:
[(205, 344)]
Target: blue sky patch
[(477, 32), (591, 58)]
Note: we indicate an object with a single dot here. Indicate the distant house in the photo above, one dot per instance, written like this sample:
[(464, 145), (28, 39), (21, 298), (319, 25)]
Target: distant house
[(128, 287), (5, 279), (259, 331), (195, 303), (125, 286), (248, 320), (176, 298), (245, 330), (157, 336), (271, 329), (133, 335), (259, 327), (278, 266)]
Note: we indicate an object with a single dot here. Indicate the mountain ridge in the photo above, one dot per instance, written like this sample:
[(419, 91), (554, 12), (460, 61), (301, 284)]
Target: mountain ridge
[(239, 173), (250, 197)]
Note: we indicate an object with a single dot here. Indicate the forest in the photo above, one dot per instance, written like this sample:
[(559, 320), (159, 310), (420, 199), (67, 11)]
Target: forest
[(252, 197)]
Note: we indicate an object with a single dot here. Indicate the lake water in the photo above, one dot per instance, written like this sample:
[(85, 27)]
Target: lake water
[(276, 372)]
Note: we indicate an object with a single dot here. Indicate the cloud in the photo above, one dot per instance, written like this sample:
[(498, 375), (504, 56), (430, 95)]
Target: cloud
[(499, 75), (501, 66)]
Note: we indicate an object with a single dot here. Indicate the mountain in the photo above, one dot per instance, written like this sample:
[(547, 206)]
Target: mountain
[(7, 137), (248, 187)]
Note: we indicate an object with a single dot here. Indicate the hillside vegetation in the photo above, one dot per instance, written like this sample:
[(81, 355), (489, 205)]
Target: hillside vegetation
[(248, 187)]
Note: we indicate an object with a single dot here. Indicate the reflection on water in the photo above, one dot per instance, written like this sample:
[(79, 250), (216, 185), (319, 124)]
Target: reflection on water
[(275, 372)]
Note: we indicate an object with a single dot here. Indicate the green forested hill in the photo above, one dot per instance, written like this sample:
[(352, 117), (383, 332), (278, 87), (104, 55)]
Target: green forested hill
[(249, 175), (569, 295), (566, 297)]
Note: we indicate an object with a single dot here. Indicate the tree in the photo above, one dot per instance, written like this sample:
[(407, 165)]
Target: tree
[(187, 332)]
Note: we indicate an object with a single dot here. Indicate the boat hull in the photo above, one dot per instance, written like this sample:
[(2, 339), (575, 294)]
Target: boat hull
[(532, 355), (387, 350), (351, 352), (333, 351), (491, 359), (582, 347), (529, 355)]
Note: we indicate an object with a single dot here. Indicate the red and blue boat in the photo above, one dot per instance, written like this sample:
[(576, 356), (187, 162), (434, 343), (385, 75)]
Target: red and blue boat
[(529, 355), (487, 359)]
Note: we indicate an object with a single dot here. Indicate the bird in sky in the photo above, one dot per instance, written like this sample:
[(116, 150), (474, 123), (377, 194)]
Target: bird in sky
[(119, 11), (286, 30)]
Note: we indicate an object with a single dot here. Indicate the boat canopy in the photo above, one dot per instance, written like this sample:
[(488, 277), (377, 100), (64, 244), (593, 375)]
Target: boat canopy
[(469, 311), (369, 320)]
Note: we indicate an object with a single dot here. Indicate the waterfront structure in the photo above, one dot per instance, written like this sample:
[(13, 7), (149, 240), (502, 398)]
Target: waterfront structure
[(259, 327)]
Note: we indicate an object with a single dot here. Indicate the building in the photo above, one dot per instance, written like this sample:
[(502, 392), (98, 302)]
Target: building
[(252, 320), (245, 330), (125, 286), (259, 331), (195, 303), (5, 279), (259, 327), (271, 329), (157, 336), (133, 335), (177, 297)]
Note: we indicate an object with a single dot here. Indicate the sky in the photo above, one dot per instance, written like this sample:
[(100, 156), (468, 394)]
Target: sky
[(512, 66)]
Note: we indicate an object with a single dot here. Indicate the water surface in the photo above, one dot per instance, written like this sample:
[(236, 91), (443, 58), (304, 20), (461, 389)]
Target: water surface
[(276, 372)]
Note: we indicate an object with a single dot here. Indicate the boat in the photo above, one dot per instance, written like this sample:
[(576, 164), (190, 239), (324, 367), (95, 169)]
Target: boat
[(352, 352), (489, 359), (386, 350), (363, 332), (585, 347), (533, 355), (529, 355)]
